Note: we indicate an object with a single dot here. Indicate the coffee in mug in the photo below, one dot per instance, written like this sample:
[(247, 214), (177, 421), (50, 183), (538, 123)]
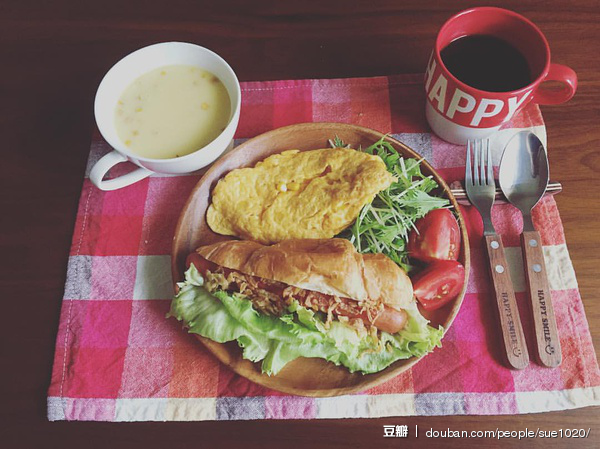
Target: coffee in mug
[(487, 64)]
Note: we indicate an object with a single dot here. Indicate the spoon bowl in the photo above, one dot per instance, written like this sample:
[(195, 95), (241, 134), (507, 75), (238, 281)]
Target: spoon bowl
[(524, 171)]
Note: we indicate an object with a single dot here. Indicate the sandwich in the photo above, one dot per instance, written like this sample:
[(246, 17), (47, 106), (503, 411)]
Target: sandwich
[(304, 298)]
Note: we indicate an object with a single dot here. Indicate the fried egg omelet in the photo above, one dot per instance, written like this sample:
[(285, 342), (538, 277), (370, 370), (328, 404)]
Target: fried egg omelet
[(296, 195)]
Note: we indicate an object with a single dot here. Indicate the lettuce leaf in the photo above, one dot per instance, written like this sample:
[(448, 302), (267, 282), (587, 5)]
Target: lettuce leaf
[(276, 341)]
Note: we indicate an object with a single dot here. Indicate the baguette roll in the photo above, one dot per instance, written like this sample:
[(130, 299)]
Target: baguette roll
[(329, 266)]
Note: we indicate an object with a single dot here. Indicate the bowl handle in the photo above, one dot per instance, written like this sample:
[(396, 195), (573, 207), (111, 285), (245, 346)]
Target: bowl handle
[(107, 162)]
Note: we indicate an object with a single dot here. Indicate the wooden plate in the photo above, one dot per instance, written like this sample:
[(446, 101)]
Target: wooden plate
[(303, 376)]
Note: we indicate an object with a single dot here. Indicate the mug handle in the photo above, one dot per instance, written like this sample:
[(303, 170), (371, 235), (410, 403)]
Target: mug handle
[(562, 74), (107, 162)]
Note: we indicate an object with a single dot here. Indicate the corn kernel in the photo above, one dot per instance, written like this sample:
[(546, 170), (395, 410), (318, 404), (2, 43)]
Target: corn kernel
[(205, 106), (120, 102), (294, 186), (282, 187), (138, 109), (128, 142), (163, 73)]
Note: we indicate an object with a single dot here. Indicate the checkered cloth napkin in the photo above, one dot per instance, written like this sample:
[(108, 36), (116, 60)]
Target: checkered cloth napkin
[(118, 358)]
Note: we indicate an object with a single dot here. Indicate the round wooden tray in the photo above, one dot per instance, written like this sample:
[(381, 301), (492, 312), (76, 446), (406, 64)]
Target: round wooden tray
[(303, 376)]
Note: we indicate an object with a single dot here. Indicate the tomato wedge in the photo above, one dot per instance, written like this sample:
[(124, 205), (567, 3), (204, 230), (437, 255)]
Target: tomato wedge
[(438, 237), (439, 283)]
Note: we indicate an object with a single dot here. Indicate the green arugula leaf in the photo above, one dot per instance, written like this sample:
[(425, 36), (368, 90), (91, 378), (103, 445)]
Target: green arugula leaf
[(383, 225)]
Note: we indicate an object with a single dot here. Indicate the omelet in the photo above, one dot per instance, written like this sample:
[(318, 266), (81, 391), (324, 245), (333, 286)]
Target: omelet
[(296, 195)]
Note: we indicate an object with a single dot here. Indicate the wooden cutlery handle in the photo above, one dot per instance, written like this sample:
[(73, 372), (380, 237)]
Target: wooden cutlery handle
[(510, 320), (546, 334)]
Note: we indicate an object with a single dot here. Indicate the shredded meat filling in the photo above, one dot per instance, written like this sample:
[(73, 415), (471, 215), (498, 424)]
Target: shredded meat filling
[(357, 314), (266, 296), (265, 301)]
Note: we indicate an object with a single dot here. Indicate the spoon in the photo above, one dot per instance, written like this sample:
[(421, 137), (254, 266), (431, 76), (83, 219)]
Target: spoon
[(523, 177)]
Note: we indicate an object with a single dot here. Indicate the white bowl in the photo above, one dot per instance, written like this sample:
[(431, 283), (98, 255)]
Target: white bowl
[(121, 75)]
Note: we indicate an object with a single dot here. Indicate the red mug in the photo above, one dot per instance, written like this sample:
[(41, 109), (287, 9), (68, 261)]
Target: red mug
[(456, 111)]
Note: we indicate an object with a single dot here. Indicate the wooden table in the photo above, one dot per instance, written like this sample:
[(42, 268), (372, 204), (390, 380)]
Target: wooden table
[(53, 55)]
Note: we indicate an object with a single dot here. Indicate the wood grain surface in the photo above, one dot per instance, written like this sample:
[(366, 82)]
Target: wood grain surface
[(53, 55), (509, 322), (542, 311)]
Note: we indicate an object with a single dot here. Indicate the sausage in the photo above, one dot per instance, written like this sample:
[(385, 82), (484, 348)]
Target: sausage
[(391, 320), (201, 264)]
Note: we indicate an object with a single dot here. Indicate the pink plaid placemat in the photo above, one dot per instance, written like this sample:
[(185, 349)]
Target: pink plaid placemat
[(118, 358)]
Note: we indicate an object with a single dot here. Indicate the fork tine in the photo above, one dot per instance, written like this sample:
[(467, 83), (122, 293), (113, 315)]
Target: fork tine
[(469, 169), (482, 173), (482, 163), (490, 166), (477, 161)]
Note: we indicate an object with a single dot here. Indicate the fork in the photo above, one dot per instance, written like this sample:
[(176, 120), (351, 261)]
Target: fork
[(481, 190)]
